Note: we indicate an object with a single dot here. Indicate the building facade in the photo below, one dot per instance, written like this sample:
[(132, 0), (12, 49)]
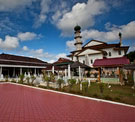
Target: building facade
[(95, 49)]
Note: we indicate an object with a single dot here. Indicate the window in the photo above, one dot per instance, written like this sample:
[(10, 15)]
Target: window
[(119, 52), (91, 61), (83, 62), (110, 54)]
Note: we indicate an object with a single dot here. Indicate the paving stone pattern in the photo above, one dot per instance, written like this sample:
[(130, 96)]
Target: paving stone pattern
[(23, 104)]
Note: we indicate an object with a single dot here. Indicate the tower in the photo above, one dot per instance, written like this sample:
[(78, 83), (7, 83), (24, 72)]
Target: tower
[(78, 37), (120, 36)]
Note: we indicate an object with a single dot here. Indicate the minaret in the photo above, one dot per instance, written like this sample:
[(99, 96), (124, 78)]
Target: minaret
[(78, 37), (120, 36)]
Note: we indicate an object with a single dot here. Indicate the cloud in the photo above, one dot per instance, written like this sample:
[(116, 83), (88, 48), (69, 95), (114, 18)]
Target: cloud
[(127, 31), (9, 43), (25, 48), (40, 19), (9, 5), (40, 53), (61, 55), (82, 14), (70, 45), (27, 36)]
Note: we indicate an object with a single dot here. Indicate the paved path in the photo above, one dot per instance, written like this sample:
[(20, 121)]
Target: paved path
[(23, 104)]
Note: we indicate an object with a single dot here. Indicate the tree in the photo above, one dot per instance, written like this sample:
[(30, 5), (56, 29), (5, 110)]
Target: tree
[(131, 56), (59, 82), (32, 79)]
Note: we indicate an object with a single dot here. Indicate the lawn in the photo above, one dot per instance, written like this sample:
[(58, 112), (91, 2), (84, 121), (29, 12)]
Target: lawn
[(118, 93)]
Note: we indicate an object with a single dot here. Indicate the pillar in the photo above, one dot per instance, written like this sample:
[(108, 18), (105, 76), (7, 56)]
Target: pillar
[(79, 73), (0, 71), (99, 75), (20, 70), (69, 73), (134, 77), (53, 69), (35, 71), (13, 71)]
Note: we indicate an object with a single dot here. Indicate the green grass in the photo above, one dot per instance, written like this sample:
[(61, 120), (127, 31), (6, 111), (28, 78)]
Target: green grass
[(118, 93)]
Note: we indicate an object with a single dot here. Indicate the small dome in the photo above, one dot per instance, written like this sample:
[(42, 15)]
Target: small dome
[(77, 27)]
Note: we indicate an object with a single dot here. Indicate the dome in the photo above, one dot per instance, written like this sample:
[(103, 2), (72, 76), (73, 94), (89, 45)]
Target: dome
[(77, 27)]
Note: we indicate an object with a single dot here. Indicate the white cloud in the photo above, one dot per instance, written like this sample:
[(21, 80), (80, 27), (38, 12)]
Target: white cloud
[(70, 45), (112, 35), (61, 55), (25, 48), (82, 14), (9, 5), (40, 19), (9, 43), (128, 33), (27, 36)]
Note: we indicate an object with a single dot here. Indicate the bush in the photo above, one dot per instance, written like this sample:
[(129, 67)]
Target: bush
[(107, 97), (6, 78), (85, 86), (71, 82), (21, 78), (101, 87), (59, 82), (32, 79), (28, 80)]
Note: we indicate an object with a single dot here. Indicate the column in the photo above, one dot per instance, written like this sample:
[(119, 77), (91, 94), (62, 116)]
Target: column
[(69, 73), (35, 71), (134, 77), (20, 70), (13, 71), (53, 69), (79, 73), (0, 72), (99, 74)]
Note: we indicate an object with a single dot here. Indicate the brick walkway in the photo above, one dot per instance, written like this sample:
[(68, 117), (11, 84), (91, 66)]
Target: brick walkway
[(23, 104)]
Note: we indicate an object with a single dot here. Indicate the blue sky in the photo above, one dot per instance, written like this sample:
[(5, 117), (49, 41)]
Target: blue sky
[(44, 28)]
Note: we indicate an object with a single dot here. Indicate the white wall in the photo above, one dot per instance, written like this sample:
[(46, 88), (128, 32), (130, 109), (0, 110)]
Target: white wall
[(114, 53), (92, 43)]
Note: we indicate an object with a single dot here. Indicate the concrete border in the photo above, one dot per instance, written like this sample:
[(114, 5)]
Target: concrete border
[(69, 94)]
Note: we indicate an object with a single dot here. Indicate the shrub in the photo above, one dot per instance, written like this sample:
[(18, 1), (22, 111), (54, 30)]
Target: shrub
[(21, 78), (32, 79), (85, 86), (107, 97), (6, 78), (71, 82), (59, 82), (28, 80), (101, 87)]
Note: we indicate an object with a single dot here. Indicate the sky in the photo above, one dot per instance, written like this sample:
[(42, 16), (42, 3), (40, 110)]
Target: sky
[(44, 29)]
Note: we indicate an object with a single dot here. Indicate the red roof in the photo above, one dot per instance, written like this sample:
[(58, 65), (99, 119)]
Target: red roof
[(62, 60), (109, 62)]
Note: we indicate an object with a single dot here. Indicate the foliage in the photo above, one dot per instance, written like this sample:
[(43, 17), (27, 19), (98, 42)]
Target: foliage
[(85, 86), (131, 56), (52, 77), (71, 82), (130, 78), (32, 79), (46, 79), (13, 81), (28, 80), (59, 82), (95, 75), (21, 78), (101, 87), (6, 78)]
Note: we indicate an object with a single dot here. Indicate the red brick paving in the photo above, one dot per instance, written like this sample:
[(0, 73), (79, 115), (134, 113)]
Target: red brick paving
[(23, 104)]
